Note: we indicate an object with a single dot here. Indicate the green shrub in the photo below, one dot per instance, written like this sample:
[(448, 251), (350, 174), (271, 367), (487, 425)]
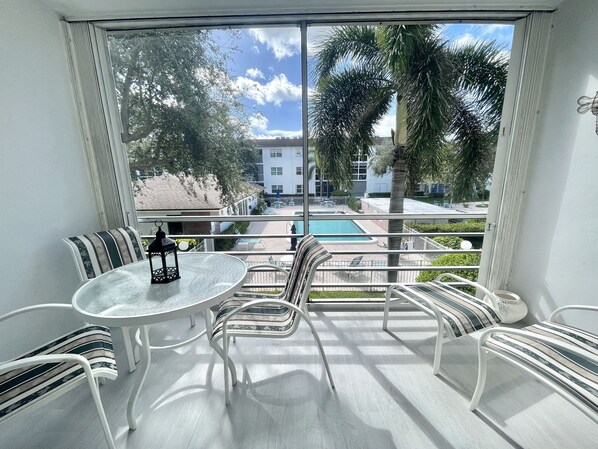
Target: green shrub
[(260, 208), (228, 244), (467, 226), (354, 203), (379, 195), (454, 260), (449, 242)]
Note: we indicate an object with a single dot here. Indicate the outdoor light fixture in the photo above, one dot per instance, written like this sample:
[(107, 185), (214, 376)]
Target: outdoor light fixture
[(162, 254), (589, 104)]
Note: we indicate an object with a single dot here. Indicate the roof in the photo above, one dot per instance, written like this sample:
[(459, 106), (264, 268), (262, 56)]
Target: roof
[(170, 192)]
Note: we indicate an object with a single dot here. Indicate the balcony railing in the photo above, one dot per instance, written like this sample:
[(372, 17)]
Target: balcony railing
[(338, 274)]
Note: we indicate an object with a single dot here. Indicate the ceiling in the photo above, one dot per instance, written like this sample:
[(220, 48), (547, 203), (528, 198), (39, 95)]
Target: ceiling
[(118, 9)]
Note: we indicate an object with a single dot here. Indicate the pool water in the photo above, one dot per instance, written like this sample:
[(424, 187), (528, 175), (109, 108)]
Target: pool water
[(335, 227)]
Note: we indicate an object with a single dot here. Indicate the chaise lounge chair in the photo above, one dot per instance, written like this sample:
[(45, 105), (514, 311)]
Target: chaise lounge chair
[(457, 313), (560, 356)]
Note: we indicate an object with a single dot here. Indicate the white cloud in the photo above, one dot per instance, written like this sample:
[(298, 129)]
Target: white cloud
[(466, 39), (495, 28), (277, 90), (258, 122), (254, 73), (283, 42), (268, 134)]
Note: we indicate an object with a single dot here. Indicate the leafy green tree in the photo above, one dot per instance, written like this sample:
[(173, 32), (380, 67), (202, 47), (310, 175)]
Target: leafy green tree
[(442, 93), (178, 108)]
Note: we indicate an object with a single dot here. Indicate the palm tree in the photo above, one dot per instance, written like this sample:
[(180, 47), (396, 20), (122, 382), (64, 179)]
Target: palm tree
[(446, 96)]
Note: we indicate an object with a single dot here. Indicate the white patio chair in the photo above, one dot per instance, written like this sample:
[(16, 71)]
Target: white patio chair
[(99, 252), (457, 313), (52, 369), (278, 316), (563, 357)]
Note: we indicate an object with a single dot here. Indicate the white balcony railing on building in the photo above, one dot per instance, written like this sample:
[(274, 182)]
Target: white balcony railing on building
[(338, 274)]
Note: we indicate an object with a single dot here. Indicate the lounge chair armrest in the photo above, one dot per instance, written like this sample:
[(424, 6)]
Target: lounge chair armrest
[(532, 336), (37, 307), (558, 311), (43, 359), (487, 292)]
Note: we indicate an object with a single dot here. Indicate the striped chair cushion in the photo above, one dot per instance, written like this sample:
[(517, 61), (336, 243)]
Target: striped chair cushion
[(577, 375), (25, 386), (462, 312), (105, 250), (254, 320)]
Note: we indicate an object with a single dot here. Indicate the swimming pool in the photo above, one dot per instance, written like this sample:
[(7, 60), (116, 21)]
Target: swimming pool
[(335, 227)]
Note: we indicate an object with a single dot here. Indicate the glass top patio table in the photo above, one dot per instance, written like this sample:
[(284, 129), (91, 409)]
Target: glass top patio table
[(125, 296)]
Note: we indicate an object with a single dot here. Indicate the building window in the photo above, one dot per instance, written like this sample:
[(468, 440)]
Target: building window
[(276, 152), (299, 188), (298, 153), (276, 171), (360, 171), (277, 188), (299, 171)]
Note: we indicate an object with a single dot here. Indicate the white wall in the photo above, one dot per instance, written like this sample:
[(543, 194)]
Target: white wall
[(45, 192), (557, 259)]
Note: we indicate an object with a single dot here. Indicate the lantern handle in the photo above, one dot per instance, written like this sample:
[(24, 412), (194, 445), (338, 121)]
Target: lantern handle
[(159, 221)]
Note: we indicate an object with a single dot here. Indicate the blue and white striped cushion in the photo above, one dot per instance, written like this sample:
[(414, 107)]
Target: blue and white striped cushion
[(25, 386), (462, 312), (577, 375), (105, 250)]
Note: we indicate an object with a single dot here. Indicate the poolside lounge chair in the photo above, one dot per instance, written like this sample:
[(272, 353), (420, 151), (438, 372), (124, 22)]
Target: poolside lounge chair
[(250, 314), (356, 262), (457, 313), (560, 356)]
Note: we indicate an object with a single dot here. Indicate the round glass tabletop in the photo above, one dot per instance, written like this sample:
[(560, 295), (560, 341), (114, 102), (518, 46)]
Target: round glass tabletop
[(125, 296)]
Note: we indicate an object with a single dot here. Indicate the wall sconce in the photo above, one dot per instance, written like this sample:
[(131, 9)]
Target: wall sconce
[(588, 104)]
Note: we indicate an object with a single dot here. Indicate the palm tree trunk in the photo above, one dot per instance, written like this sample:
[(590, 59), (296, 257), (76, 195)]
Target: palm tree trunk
[(397, 189)]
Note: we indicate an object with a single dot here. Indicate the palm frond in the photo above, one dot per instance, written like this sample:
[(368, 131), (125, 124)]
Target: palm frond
[(343, 113), (399, 42), (428, 87), (355, 44), (474, 150), (483, 69)]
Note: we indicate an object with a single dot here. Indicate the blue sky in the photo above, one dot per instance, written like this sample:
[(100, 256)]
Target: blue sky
[(266, 70)]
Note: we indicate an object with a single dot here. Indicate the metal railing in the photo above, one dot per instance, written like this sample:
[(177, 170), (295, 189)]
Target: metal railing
[(370, 275)]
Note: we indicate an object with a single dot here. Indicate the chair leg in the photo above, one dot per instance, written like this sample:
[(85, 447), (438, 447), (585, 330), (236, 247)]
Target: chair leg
[(438, 350), (129, 349), (386, 309), (192, 320), (482, 371), (95, 393), (321, 348), (225, 343)]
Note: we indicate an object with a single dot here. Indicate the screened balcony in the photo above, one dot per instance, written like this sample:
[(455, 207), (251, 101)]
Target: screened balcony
[(540, 242)]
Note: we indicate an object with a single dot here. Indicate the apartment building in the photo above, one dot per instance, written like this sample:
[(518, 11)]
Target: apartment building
[(281, 170)]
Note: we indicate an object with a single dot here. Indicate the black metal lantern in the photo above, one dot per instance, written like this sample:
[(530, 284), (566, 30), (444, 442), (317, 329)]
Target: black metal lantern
[(162, 254)]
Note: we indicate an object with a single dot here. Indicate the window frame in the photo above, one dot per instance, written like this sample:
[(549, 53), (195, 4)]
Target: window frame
[(513, 117)]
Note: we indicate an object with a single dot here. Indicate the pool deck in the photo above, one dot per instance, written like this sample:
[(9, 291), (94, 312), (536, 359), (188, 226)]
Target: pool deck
[(282, 227)]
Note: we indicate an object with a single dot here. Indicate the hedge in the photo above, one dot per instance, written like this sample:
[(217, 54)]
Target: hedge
[(454, 260)]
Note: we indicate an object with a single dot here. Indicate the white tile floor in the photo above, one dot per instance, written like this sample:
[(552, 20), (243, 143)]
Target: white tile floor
[(386, 397)]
